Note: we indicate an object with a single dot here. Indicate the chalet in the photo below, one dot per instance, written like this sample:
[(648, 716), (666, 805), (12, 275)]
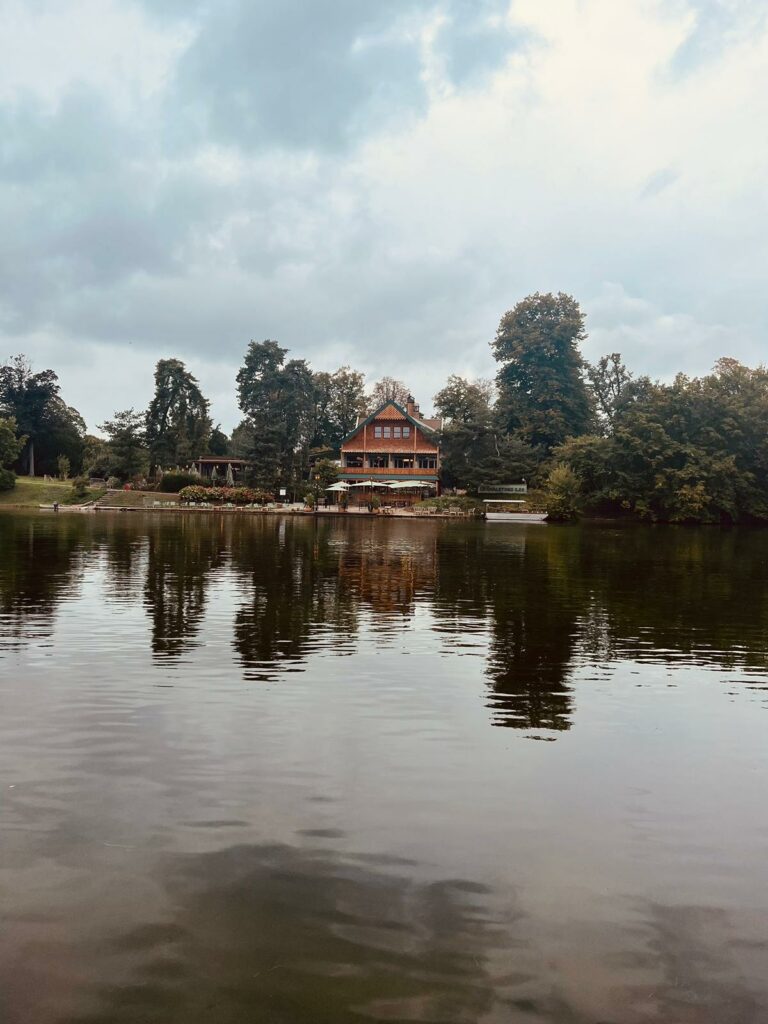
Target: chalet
[(394, 444)]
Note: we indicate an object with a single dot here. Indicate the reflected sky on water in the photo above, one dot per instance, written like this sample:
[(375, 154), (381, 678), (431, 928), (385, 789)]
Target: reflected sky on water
[(281, 769)]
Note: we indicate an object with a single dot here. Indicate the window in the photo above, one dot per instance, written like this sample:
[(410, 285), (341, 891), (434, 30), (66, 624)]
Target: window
[(354, 461), (406, 431), (377, 431), (427, 462), (403, 462), (395, 431), (378, 461), (387, 431)]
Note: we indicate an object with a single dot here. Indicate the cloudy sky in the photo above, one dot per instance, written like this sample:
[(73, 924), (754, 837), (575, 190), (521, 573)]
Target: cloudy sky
[(375, 182)]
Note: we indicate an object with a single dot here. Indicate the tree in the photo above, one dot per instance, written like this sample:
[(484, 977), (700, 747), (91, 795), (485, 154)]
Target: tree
[(128, 455), (563, 493), (26, 397), (388, 390), (95, 456), (608, 379), (218, 442), (63, 467), (476, 450), (339, 403), (695, 450), (542, 393), (177, 423), (278, 400), (10, 447)]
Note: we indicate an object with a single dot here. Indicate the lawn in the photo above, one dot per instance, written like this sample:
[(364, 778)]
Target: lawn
[(30, 492), (137, 499)]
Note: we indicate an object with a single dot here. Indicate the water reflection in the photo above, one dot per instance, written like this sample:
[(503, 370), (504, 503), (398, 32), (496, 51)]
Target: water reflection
[(180, 562), (535, 604), (249, 770)]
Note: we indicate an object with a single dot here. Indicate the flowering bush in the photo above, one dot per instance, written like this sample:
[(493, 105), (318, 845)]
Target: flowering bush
[(225, 495)]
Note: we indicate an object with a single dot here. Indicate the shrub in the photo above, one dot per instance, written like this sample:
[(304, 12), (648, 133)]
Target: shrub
[(310, 500), (563, 491), (222, 495), (174, 482), (80, 488), (374, 503), (443, 503), (114, 483), (63, 466), (7, 479)]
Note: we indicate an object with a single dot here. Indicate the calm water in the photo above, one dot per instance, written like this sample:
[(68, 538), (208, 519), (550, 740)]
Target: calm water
[(279, 770)]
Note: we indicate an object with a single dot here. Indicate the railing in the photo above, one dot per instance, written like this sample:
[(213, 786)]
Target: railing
[(386, 471)]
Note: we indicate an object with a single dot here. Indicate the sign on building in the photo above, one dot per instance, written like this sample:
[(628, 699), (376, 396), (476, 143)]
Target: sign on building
[(504, 489)]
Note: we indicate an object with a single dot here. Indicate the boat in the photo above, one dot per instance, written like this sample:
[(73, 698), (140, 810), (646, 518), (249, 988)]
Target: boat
[(511, 512)]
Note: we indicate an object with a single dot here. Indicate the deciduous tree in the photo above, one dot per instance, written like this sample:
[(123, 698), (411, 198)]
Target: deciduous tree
[(542, 393)]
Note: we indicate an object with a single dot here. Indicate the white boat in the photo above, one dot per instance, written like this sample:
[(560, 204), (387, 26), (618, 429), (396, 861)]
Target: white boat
[(510, 512)]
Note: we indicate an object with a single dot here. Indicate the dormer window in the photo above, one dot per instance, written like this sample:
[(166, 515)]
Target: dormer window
[(406, 431), (387, 431), (377, 431)]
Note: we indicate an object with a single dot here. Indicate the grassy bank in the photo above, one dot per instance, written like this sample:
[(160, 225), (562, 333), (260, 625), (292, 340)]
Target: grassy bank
[(30, 492), (137, 499)]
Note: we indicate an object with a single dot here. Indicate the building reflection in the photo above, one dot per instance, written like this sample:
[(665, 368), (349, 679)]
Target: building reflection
[(538, 604)]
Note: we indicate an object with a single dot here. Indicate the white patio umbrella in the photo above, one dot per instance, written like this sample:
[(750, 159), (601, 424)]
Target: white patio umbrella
[(340, 485), (367, 483)]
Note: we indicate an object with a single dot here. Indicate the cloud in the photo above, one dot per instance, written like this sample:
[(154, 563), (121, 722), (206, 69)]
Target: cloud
[(376, 184)]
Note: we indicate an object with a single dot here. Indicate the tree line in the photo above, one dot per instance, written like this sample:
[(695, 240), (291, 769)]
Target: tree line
[(594, 437)]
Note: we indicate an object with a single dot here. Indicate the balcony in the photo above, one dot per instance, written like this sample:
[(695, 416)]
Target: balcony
[(387, 473)]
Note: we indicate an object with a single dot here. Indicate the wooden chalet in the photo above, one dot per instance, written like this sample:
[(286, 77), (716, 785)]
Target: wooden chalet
[(394, 443)]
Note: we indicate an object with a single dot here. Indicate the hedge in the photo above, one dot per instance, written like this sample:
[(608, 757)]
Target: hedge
[(225, 495)]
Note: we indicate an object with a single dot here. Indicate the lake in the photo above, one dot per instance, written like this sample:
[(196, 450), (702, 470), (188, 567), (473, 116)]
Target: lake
[(267, 769)]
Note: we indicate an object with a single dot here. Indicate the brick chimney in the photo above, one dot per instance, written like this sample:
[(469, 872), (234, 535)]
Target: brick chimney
[(412, 408)]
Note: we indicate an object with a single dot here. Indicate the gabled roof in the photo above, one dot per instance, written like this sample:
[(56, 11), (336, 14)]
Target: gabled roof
[(411, 419)]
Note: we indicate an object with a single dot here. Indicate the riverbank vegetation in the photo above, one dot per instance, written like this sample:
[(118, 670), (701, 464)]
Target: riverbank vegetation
[(597, 439)]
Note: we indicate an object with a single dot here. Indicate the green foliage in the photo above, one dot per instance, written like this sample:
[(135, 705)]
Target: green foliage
[(80, 488), (10, 445), (177, 423), (218, 442), (63, 467), (339, 402), (695, 450), (388, 389), (310, 500), (7, 479), (374, 502), (126, 448), (225, 495), (278, 400), (608, 379), (476, 450), (563, 494), (49, 426), (326, 473), (173, 482), (446, 501), (542, 393)]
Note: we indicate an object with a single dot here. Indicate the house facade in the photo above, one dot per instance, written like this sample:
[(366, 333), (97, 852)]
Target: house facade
[(394, 443)]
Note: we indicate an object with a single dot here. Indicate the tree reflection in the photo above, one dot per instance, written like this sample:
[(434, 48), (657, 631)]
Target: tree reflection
[(180, 559), (37, 568), (516, 579), (292, 597)]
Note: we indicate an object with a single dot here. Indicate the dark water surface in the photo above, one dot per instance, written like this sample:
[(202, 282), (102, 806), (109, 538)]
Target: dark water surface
[(281, 770)]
